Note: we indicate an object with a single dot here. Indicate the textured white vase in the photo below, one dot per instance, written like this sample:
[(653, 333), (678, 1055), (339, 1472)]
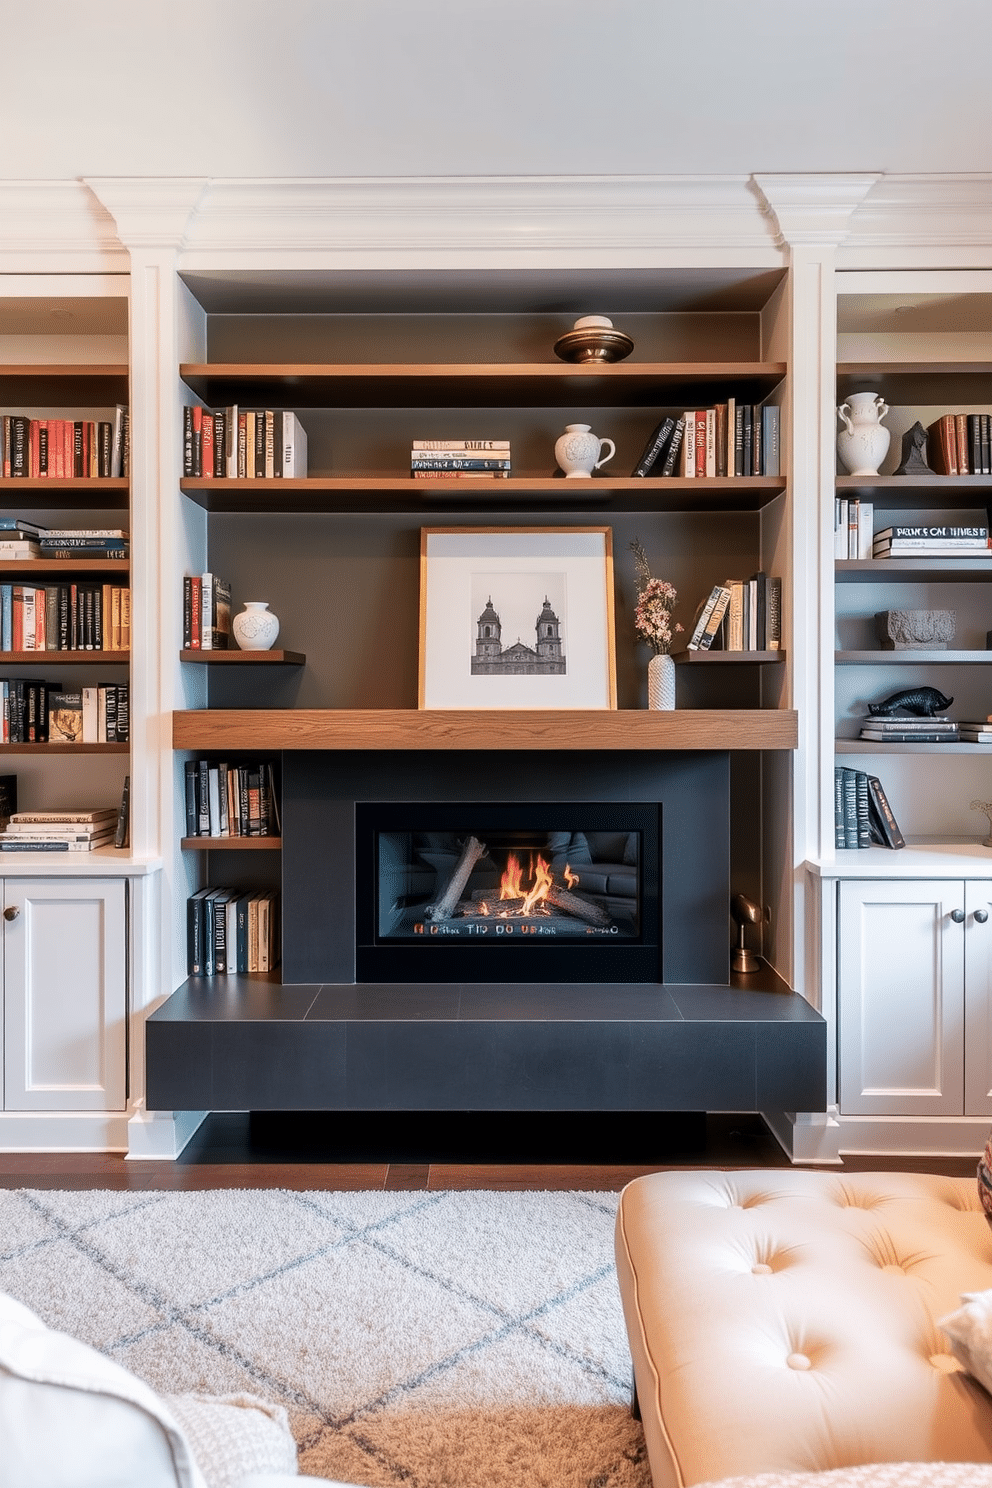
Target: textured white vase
[(255, 627), (863, 442), (661, 682), (579, 452)]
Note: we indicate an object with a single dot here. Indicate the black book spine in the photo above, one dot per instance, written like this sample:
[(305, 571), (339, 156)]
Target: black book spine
[(861, 799), (123, 713), (77, 449), (203, 797), (220, 442), (672, 452), (657, 440), (187, 441), (191, 770), (111, 714), (259, 455), (886, 817), (19, 439)]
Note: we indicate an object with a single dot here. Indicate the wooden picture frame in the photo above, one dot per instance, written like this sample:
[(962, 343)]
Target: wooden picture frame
[(517, 617)]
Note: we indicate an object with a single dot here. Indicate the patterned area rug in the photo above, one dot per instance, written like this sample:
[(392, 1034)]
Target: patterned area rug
[(465, 1339)]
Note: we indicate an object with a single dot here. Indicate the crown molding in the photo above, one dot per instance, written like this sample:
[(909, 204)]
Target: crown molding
[(909, 221), (149, 211), (807, 209), (57, 226), (520, 216)]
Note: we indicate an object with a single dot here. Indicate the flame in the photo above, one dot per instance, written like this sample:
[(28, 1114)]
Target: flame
[(511, 884), (571, 879), (483, 907)]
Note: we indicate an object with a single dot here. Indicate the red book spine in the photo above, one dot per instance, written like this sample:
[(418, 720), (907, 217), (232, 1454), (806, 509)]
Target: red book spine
[(196, 600), (207, 446)]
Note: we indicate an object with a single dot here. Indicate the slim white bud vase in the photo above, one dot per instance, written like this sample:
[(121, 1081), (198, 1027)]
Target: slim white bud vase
[(255, 627), (661, 682)]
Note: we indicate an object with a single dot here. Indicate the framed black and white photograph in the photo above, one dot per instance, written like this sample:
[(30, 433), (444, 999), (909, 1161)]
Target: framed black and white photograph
[(516, 617)]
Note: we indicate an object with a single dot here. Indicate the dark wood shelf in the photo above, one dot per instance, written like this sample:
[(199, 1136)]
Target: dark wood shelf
[(231, 844), (738, 658), (39, 567), (77, 494), (913, 658), (64, 385), (64, 748), (242, 658), (940, 570), (444, 729), (400, 493), (478, 385), (64, 658)]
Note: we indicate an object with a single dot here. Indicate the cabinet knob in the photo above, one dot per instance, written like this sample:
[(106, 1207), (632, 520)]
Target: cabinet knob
[(11, 912), (981, 915), (957, 915)]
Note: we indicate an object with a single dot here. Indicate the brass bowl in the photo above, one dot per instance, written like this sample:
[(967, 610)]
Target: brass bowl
[(593, 344)]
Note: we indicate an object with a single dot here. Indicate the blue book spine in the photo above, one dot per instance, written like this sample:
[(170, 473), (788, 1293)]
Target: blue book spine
[(6, 617)]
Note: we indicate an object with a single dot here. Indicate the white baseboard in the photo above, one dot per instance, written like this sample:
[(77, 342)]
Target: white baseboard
[(160, 1136), (63, 1131), (913, 1136), (807, 1136)]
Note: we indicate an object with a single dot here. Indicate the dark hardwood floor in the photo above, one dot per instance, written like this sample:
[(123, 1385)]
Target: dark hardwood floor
[(452, 1150)]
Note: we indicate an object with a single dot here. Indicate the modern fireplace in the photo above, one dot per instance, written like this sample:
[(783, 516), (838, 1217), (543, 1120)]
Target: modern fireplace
[(474, 891), (636, 845)]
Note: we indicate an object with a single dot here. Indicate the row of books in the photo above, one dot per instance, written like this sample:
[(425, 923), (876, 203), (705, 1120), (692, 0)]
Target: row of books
[(243, 444), (206, 612), (65, 449), (862, 814), (89, 715), (65, 831), (730, 439), (853, 533), (896, 730), (460, 459), (960, 444), (231, 800), (740, 615), (944, 540), (231, 930), (65, 617)]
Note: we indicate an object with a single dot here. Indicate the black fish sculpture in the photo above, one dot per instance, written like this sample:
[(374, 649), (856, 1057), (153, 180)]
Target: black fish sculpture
[(923, 702)]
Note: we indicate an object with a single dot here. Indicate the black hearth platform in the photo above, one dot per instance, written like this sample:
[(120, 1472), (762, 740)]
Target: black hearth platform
[(238, 1043)]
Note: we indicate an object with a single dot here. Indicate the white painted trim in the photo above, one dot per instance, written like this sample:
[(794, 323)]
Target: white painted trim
[(63, 1131), (56, 226), (160, 1136), (812, 209), (806, 1136), (913, 1136)]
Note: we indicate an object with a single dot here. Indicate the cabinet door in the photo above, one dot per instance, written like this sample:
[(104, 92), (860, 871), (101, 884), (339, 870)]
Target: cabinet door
[(978, 999), (901, 999), (65, 995)]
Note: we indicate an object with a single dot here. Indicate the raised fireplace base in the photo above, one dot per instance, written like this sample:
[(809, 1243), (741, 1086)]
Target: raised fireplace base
[(250, 1044)]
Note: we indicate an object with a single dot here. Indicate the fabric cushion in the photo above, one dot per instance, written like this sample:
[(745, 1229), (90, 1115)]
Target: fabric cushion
[(970, 1333), (872, 1475), (233, 1435)]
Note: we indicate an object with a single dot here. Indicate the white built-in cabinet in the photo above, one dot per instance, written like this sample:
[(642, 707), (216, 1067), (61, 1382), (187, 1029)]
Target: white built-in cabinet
[(65, 994), (914, 963)]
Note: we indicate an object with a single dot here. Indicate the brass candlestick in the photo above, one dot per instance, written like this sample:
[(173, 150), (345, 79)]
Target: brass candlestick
[(745, 912)]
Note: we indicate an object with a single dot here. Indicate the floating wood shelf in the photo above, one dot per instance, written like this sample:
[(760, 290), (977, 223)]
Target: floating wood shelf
[(231, 844), (443, 729), (62, 566), (477, 385), (64, 658), (64, 748), (913, 658), (940, 570), (242, 658), (401, 493), (730, 658)]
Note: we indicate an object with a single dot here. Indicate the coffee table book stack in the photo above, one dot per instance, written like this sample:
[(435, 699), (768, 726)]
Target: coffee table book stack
[(59, 831)]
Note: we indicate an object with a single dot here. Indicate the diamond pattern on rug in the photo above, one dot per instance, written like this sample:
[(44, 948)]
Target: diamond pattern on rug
[(425, 1339)]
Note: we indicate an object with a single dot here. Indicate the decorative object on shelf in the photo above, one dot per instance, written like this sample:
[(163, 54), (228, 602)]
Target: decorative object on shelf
[(255, 627), (922, 702), (916, 630), (656, 599), (578, 451), (863, 442), (745, 912), (914, 452), (516, 617), (593, 338), (985, 806)]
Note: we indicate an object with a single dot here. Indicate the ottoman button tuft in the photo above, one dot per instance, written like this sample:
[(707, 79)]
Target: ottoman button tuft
[(761, 1269), (799, 1361)]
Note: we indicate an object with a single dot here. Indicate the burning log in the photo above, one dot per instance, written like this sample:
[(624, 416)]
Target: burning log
[(445, 903), (488, 902)]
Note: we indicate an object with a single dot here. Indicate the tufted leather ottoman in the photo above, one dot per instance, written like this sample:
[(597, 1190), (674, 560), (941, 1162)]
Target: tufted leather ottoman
[(784, 1320)]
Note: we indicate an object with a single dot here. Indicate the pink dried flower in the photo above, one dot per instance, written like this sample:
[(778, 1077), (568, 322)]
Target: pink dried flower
[(656, 599)]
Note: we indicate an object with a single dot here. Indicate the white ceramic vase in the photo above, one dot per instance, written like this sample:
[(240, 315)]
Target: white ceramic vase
[(863, 442), (255, 627), (579, 452), (661, 682)]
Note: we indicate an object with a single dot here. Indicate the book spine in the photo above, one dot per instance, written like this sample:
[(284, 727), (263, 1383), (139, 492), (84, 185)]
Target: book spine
[(840, 838), (861, 802), (674, 448), (850, 792), (889, 825), (654, 448)]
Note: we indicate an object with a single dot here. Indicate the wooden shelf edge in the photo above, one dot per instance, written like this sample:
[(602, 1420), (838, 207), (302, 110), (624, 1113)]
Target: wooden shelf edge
[(442, 729), (64, 748), (877, 746), (625, 371), (231, 844), (696, 658), (913, 658), (64, 658), (237, 658)]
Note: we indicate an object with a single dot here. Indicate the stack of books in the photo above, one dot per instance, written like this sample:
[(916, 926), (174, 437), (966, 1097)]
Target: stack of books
[(243, 444), (206, 612), (65, 449), (231, 930), (59, 831), (862, 814), (729, 439), (942, 541), (460, 459), (961, 444), (83, 542), (978, 731), (740, 615), (914, 730)]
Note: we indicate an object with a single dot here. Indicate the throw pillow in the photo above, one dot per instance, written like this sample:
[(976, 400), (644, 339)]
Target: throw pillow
[(234, 1435), (970, 1333), (985, 1179)]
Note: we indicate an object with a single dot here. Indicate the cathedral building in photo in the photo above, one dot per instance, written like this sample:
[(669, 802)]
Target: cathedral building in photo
[(491, 659)]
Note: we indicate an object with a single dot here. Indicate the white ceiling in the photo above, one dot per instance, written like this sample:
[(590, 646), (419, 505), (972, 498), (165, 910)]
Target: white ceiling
[(253, 88)]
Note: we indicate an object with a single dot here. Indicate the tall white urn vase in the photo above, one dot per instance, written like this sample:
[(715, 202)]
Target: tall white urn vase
[(863, 442)]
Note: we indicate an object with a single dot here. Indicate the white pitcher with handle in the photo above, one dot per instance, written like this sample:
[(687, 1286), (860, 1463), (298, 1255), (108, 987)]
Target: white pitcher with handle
[(579, 452)]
